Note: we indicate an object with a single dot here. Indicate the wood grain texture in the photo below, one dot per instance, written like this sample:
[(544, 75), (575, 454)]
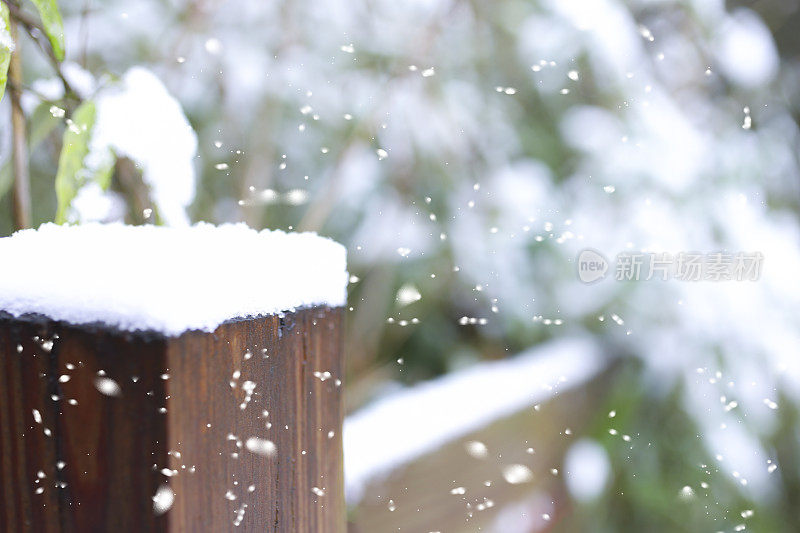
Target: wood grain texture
[(182, 419)]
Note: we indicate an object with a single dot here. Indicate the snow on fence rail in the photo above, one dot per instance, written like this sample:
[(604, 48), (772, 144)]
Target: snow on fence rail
[(404, 425), (150, 380)]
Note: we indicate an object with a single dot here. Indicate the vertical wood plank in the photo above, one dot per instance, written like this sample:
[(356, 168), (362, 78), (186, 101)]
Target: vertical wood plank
[(27, 447), (247, 488), (180, 416), (323, 435), (112, 445)]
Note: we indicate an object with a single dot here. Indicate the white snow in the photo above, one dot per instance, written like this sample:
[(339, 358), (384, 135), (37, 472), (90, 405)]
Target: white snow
[(80, 80), (93, 204), (404, 425), (107, 386), (587, 469), (140, 120), (5, 37), (260, 446), (746, 50), (135, 118), (163, 500), (516, 474), (168, 280)]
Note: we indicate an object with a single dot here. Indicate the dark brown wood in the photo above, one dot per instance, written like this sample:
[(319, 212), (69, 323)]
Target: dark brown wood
[(182, 419)]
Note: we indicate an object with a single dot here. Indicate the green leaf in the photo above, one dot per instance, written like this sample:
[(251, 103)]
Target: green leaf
[(41, 123), (6, 47), (71, 175), (104, 174), (72, 170), (53, 26), (6, 179)]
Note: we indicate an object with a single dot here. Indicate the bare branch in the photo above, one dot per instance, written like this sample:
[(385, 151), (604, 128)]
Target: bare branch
[(21, 16), (37, 33)]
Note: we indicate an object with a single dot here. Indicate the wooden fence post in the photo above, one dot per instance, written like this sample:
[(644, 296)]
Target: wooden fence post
[(239, 427), (170, 394)]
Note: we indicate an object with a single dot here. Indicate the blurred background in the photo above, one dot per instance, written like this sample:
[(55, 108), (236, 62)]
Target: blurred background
[(465, 152)]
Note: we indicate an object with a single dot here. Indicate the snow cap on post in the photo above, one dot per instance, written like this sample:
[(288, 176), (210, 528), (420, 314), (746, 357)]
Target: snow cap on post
[(168, 280)]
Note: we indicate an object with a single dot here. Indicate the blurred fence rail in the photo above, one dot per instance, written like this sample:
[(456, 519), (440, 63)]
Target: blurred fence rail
[(460, 482)]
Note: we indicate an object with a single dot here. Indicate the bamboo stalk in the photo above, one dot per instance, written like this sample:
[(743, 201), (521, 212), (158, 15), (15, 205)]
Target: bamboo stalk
[(22, 192)]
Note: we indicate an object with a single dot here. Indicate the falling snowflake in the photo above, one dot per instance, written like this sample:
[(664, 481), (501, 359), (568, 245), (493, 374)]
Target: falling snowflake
[(163, 500), (516, 474), (107, 386), (260, 446)]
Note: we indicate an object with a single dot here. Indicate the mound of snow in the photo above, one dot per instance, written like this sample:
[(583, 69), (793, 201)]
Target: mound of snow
[(168, 280)]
